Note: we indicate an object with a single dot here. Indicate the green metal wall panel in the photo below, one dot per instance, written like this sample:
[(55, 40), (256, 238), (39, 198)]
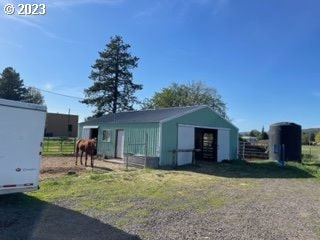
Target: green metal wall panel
[(134, 137), (202, 117)]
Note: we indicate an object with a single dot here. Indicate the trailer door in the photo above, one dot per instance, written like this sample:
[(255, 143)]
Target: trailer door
[(21, 131)]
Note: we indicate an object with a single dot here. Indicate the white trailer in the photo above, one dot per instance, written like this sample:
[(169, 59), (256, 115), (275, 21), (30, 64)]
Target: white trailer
[(21, 134)]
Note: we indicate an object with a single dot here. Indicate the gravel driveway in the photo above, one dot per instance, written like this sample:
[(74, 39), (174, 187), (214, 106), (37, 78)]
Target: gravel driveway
[(269, 208), (273, 209)]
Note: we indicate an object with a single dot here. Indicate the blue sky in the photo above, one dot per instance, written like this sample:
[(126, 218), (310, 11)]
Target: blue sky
[(262, 56)]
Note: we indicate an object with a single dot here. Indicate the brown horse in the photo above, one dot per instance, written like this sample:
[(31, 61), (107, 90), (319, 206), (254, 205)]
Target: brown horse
[(87, 146)]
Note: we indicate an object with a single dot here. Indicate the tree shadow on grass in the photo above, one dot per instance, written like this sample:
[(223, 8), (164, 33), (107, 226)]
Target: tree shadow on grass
[(248, 169), (25, 217)]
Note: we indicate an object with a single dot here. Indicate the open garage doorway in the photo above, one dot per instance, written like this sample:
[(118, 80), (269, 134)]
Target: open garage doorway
[(90, 132), (210, 144), (206, 144)]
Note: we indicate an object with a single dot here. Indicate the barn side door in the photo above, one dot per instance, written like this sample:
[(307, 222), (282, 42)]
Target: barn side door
[(119, 143), (223, 144)]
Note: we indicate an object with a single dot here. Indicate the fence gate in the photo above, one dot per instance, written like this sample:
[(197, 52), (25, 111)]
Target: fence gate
[(249, 150), (137, 154), (54, 145)]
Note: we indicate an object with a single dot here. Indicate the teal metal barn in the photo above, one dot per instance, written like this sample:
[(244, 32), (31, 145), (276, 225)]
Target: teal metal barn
[(173, 136)]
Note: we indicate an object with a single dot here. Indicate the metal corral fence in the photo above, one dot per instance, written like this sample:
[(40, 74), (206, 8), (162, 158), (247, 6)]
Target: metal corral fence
[(258, 150), (248, 150), (137, 155), (56, 145), (310, 153)]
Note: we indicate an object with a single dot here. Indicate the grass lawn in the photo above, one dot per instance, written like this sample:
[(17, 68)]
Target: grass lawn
[(237, 200), (133, 195), (121, 191)]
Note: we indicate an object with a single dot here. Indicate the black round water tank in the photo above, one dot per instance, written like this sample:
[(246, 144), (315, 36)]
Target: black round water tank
[(285, 141)]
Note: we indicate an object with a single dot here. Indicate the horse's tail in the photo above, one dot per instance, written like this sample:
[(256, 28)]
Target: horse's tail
[(77, 149)]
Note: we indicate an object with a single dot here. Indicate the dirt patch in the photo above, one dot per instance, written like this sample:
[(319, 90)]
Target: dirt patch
[(54, 166)]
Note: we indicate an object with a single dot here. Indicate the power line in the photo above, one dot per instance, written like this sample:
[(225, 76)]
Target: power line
[(59, 94)]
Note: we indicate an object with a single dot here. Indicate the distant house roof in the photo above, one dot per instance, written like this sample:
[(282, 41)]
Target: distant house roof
[(145, 116)]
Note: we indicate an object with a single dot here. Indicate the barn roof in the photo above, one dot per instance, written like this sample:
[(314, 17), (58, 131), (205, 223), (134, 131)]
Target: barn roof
[(145, 116)]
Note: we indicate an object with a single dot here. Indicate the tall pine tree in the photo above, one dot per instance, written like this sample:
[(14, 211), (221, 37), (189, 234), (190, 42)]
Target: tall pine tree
[(12, 88), (113, 89), (11, 85)]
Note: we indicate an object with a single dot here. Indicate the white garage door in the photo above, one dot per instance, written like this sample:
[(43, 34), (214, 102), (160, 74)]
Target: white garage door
[(185, 142), (223, 144)]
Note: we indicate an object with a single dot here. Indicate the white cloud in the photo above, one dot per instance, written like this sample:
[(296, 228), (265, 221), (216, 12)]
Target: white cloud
[(48, 86), (58, 88), (34, 23), (37, 22)]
